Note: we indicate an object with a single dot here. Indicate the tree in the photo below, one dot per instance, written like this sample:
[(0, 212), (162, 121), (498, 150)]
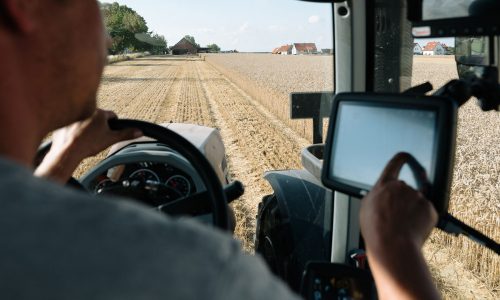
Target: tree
[(192, 40), (123, 23), (214, 48), (158, 44), (152, 42)]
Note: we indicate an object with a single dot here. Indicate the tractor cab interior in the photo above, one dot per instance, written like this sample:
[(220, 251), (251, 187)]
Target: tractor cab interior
[(354, 104)]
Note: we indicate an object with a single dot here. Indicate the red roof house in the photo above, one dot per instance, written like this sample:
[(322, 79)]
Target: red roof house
[(304, 48), (283, 50), (434, 48)]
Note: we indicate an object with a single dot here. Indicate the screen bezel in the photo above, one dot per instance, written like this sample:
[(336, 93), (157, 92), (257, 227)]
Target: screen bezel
[(444, 147)]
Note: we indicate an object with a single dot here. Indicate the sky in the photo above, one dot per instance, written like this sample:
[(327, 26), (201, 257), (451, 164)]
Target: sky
[(247, 26)]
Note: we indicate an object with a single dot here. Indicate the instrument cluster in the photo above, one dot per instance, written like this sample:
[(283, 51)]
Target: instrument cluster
[(152, 173)]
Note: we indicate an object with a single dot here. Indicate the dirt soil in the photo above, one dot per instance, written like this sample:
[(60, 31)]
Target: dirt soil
[(191, 90)]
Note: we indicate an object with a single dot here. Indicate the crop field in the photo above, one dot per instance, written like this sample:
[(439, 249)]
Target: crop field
[(246, 97), (269, 79)]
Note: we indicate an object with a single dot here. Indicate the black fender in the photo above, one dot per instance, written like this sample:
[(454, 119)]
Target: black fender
[(294, 224)]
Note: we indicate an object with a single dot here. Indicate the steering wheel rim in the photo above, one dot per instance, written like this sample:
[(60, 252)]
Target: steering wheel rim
[(181, 145), (193, 155)]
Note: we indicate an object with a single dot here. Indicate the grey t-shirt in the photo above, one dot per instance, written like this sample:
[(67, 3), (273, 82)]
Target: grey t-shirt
[(57, 243)]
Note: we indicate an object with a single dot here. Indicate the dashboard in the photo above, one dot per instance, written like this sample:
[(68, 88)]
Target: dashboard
[(149, 173), (153, 183)]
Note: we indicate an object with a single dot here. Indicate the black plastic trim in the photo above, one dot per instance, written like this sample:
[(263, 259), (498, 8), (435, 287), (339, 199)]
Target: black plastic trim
[(458, 27)]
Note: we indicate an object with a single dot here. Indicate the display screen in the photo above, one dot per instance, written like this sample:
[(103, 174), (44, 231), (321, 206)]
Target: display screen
[(367, 136)]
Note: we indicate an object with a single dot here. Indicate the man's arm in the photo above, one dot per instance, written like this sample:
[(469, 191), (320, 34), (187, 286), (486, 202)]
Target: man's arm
[(72, 144), (395, 222)]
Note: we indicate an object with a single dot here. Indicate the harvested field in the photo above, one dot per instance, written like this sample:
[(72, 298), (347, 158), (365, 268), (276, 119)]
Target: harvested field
[(246, 97), (475, 193), (270, 79), (191, 91)]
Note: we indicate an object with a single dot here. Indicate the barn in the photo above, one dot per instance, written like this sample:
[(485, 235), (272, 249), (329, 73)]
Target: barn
[(283, 50), (183, 47), (304, 48)]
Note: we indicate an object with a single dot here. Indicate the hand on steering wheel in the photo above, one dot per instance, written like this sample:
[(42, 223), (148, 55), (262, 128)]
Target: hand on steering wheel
[(214, 193), (72, 144)]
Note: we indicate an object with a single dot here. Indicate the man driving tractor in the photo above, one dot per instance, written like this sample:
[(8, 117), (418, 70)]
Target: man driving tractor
[(59, 243)]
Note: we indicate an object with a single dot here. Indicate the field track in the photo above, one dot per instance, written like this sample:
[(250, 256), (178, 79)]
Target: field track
[(258, 138), (191, 91)]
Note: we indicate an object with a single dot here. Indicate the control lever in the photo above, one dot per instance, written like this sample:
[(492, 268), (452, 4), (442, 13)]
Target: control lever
[(419, 90), (359, 258), (447, 222), (234, 190)]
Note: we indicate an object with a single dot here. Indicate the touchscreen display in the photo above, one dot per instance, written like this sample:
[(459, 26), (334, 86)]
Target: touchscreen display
[(367, 136)]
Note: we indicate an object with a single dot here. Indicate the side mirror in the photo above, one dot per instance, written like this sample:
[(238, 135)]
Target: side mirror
[(472, 55), (473, 51)]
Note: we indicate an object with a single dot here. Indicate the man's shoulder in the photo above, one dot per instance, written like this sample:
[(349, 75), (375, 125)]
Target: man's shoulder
[(64, 241)]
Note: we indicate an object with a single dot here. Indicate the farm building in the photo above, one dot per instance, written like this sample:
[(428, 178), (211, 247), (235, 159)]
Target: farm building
[(283, 50), (304, 48), (184, 46), (204, 50), (417, 49), (299, 49), (434, 48)]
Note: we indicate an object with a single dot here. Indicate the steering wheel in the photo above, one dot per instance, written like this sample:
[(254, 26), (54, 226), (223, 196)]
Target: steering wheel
[(214, 190)]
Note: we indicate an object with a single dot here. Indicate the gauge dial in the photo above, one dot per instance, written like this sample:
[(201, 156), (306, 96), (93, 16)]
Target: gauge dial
[(180, 184), (144, 175), (102, 184)]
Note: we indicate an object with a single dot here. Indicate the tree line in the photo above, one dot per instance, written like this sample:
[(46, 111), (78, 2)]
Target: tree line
[(130, 33), (213, 47)]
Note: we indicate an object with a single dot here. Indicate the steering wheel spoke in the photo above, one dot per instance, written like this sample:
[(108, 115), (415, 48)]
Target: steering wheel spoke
[(193, 205)]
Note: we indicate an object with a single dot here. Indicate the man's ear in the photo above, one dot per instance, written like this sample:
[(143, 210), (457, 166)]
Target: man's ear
[(20, 15)]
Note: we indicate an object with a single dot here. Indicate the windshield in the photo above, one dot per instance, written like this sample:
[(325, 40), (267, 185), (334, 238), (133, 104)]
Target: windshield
[(224, 64), (231, 65)]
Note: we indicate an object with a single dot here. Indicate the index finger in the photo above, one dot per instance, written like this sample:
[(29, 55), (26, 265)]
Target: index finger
[(393, 167)]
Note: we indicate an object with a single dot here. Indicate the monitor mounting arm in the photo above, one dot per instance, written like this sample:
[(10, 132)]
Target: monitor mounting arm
[(482, 84)]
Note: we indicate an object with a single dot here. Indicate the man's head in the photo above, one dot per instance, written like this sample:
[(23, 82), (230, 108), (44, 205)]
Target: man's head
[(56, 53)]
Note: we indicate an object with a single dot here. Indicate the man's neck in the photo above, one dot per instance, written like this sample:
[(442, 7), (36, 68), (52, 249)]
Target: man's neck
[(19, 137), (20, 128)]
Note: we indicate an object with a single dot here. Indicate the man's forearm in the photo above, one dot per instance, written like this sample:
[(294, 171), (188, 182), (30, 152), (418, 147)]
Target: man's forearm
[(58, 166), (400, 272)]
